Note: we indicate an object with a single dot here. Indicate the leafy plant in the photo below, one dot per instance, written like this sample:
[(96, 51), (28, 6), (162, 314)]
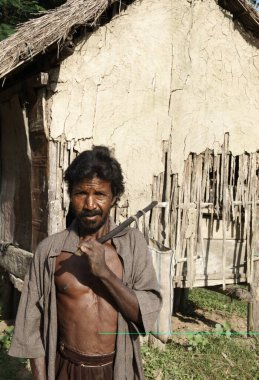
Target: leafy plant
[(6, 337), (224, 329), (14, 12), (197, 342)]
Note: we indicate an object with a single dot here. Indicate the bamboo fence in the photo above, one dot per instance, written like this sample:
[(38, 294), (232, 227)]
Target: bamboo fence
[(218, 186)]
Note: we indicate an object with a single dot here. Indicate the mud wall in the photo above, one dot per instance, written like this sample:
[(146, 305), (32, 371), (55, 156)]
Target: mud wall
[(180, 71)]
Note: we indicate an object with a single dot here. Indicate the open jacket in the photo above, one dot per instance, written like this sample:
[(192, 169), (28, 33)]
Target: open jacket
[(35, 333)]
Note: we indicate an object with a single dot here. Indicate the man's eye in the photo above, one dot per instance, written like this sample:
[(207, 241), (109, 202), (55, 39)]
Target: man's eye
[(100, 194)]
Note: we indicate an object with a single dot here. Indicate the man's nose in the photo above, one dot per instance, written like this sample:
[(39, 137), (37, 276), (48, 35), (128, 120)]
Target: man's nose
[(90, 203)]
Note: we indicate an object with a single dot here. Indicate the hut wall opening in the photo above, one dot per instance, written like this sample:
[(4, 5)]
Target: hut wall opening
[(23, 177), (15, 199), (15, 181)]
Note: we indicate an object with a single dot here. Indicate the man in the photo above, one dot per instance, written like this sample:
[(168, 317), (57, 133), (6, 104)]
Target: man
[(79, 317)]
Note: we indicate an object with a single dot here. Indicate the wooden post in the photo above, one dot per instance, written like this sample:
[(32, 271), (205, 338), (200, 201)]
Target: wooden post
[(253, 306), (15, 260)]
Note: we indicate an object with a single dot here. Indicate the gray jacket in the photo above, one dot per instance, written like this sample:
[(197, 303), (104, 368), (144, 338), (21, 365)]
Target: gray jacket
[(35, 333)]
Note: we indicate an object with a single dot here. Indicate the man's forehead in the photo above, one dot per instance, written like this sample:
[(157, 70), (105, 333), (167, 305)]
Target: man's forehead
[(93, 182)]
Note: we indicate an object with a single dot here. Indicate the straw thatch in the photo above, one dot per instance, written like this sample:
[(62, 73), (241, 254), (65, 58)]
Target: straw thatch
[(35, 36), (243, 12), (53, 27)]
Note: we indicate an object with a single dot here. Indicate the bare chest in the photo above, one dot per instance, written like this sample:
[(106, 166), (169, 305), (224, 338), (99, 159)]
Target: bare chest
[(73, 274), (84, 305)]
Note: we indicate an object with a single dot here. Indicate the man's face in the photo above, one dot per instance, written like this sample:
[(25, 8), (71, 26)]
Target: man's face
[(92, 200)]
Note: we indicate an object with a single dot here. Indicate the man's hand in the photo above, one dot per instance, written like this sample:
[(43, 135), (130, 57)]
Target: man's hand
[(125, 298), (95, 253)]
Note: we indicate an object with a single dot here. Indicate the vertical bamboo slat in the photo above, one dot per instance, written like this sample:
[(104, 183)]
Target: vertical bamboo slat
[(214, 184)]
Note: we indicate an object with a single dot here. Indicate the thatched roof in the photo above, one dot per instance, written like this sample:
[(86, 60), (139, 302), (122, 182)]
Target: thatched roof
[(35, 36), (243, 12), (53, 27)]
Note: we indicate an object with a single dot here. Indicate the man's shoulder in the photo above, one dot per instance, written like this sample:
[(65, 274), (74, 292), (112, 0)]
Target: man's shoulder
[(52, 240), (130, 233), (132, 238)]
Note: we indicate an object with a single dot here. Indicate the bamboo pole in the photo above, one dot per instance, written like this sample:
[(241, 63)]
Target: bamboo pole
[(253, 306), (224, 179)]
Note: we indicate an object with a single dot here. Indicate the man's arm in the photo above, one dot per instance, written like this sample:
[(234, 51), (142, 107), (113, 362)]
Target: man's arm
[(38, 368), (125, 298)]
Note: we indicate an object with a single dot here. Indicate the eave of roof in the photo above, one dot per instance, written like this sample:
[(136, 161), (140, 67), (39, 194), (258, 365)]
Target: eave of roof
[(243, 12), (53, 27), (34, 37)]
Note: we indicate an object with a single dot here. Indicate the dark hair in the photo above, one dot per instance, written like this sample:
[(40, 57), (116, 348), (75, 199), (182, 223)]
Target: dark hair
[(96, 162)]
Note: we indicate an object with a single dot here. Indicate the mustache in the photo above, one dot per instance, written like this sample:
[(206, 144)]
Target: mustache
[(89, 213)]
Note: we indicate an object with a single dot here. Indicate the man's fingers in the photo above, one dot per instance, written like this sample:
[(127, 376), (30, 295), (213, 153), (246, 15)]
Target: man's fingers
[(89, 247), (86, 248), (82, 249)]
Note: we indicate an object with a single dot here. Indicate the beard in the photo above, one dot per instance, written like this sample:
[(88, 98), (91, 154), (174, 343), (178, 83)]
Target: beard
[(90, 227)]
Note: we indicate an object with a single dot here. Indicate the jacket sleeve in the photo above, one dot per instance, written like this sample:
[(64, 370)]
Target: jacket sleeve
[(27, 340), (144, 283)]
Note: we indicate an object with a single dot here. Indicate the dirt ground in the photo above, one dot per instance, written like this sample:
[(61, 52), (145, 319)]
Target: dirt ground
[(203, 321)]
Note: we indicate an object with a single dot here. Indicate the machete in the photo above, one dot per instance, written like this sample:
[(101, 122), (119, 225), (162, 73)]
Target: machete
[(123, 225)]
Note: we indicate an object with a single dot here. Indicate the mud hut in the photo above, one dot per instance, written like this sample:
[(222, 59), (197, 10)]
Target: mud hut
[(172, 88)]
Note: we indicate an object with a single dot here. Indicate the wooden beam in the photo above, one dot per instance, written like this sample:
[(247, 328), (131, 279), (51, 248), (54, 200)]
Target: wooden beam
[(38, 80), (35, 81), (211, 280), (233, 292), (15, 260), (243, 12)]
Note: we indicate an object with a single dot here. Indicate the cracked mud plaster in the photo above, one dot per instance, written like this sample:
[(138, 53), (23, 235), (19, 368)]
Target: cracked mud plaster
[(115, 88), (215, 82), (176, 68)]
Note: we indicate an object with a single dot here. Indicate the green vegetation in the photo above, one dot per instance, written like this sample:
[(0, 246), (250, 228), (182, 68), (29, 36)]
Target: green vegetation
[(198, 342), (11, 368), (218, 354), (208, 300), (221, 359), (14, 12), (224, 329), (6, 337)]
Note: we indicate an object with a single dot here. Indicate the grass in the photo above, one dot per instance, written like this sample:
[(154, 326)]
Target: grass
[(11, 368), (222, 359), (209, 300)]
